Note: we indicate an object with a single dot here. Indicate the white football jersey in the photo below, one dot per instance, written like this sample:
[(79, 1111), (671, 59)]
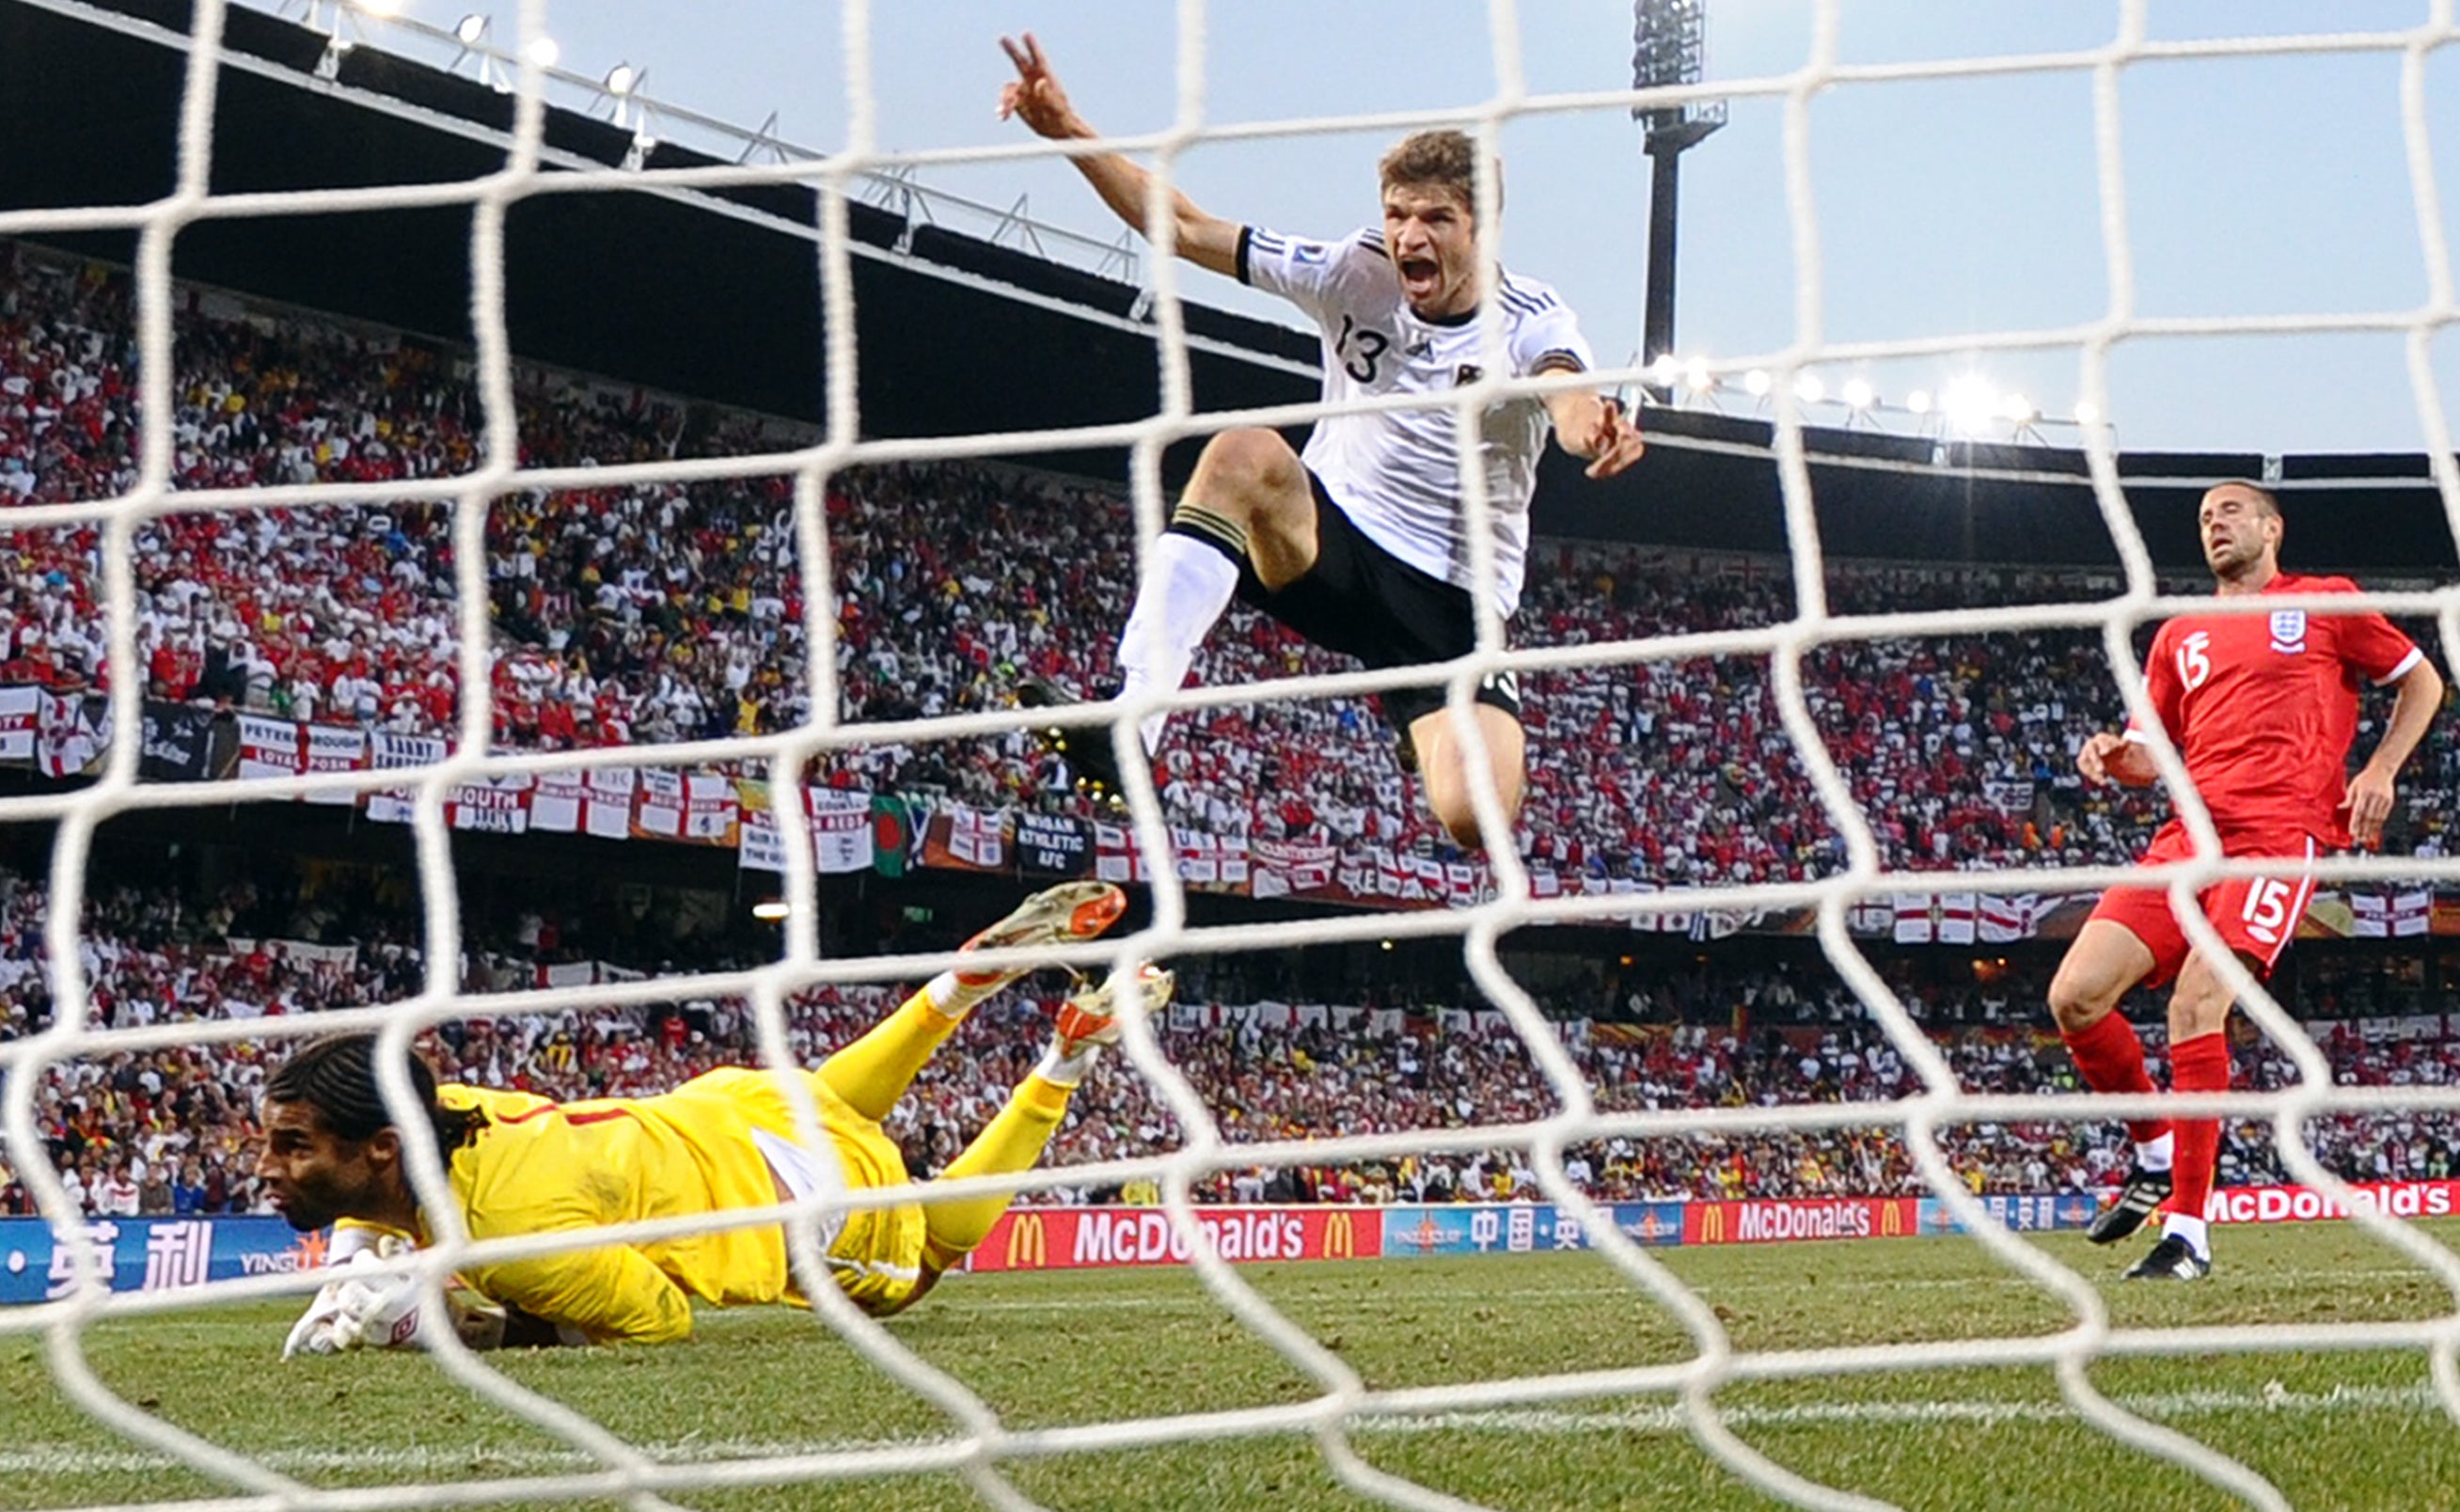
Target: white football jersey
[(1396, 473)]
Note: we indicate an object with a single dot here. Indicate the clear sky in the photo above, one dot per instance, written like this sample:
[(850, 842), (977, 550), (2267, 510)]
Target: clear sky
[(2253, 186)]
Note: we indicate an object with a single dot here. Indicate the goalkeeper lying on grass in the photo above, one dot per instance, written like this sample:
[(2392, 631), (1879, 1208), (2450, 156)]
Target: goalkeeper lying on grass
[(521, 1164)]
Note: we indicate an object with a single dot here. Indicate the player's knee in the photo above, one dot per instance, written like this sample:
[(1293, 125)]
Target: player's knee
[(2078, 1002), (2200, 1003), (1458, 817), (1247, 472)]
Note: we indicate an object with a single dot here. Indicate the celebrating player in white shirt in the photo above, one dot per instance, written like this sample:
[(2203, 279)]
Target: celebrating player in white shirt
[(1361, 544)]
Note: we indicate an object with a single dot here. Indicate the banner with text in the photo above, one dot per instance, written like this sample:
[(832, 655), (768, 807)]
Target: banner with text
[(1079, 1238), (2300, 1204), (152, 1254), (1778, 1220), (65, 736), (1484, 1228)]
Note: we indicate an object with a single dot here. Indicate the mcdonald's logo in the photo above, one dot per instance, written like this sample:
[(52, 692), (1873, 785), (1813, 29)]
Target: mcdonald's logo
[(1028, 1243), (1340, 1236), (1712, 1223), (1892, 1220)]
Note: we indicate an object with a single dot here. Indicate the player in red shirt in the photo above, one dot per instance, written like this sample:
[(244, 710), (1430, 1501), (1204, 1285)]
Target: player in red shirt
[(2262, 709)]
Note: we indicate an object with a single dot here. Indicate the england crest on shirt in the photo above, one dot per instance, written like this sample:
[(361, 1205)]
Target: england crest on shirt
[(2289, 632)]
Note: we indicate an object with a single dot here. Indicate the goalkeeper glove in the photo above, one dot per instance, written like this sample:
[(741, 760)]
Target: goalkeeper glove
[(381, 1310)]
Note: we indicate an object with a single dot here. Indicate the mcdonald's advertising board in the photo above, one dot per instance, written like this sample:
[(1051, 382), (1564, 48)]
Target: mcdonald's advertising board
[(1081, 1238), (1774, 1221)]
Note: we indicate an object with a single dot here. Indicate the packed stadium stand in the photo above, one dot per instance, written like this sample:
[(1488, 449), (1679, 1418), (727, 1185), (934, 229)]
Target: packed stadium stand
[(636, 613), (172, 1130), (627, 614)]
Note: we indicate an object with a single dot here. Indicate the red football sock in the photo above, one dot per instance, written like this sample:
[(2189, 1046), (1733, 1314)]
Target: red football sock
[(2110, 1057), (2201, 1064)]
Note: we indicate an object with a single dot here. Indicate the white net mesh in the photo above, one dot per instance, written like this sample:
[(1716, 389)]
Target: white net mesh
[(980, 1445)]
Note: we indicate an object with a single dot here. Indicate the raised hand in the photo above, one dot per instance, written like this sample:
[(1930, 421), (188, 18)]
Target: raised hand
[(1615, 442), (1034, 95)]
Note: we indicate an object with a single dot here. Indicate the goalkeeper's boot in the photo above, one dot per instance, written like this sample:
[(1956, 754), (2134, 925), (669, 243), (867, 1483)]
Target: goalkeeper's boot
[(2138, 1196), (1091, 1017), (1093, 765), (1061, 915), (2172, 1259)]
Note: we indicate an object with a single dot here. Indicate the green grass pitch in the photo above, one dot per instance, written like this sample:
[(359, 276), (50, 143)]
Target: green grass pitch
[(2359, 1429)]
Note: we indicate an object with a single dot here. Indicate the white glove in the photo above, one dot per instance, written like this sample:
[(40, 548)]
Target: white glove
[(381, 1310), (352, 1246)]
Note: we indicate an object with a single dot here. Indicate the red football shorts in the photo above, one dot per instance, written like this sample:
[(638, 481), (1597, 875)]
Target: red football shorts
[(2256, 916)]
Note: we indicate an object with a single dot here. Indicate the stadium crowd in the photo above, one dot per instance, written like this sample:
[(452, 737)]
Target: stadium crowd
[(669, 611), (172, 1130)]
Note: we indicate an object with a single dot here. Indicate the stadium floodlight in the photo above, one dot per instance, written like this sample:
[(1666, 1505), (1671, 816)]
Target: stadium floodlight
[(1755, 383), (472, 29), (2087, 413), (2019, 409), (1662, 372), (1698, 378), (1857, 394), (542, 51), (381, 10), (1969, 404), (623, 78), (1669, 45), (1917, 402), (1809, 389)]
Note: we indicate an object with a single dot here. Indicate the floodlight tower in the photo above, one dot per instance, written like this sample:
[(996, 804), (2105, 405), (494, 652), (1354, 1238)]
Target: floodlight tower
[(1670, 45)]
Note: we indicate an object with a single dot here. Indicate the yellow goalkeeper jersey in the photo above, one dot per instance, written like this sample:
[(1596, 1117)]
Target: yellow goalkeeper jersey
[(541, 1166)]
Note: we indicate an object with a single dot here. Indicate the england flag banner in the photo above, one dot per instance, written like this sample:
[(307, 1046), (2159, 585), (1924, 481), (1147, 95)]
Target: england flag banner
[(597, 802), (498, 805), (268, 747), (841, 836), (20, 711), (393, 752), (698, 807), (336, 748)]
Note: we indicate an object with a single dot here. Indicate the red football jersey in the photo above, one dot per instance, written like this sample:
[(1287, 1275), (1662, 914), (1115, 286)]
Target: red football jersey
[(2264, 707)]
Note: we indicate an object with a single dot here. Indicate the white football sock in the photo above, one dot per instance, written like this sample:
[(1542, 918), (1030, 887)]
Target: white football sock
[(1062, 1070), (951, 998), (1186, 586), (2193, 1230), (2154, 1155)]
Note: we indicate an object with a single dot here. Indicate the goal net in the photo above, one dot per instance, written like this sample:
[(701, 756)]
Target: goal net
[(781, 615)]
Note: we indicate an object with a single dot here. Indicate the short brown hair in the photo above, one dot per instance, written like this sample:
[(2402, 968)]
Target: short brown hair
[(1438, 160), (2271, 500)]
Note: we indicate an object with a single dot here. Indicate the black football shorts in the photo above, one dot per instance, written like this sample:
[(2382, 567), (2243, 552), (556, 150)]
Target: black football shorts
[(1363, 601)]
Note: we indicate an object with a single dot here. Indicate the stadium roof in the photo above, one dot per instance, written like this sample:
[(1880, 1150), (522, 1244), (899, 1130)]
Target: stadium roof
[(710, 289)]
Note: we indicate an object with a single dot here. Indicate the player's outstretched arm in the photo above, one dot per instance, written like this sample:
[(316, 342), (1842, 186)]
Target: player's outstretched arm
[(2107, 757), (1035, 98), (2370, 791), (1594, 427)]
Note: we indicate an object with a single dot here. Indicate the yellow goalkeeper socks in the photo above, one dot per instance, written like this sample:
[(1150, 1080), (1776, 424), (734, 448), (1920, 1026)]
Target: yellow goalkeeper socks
[(1013, 1141), (874, 1072)]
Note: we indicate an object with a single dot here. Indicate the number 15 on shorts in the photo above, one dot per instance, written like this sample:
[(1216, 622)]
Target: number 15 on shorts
[(2267, 907)]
